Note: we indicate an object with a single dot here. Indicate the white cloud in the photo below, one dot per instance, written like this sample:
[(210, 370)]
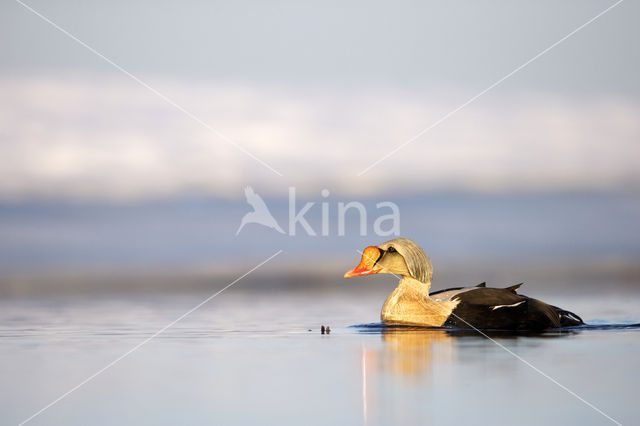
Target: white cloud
[(93, 136)]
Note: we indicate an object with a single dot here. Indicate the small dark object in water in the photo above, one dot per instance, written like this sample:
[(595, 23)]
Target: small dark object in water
[(322, 330), (328, 330)]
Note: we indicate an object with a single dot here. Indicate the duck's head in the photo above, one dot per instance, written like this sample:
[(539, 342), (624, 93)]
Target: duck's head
[(400, 256)]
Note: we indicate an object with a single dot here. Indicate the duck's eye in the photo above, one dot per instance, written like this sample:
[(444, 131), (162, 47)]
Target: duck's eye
[(392, 250)]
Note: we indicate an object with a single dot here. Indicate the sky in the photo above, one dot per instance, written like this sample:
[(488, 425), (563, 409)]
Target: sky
[(311, 95)]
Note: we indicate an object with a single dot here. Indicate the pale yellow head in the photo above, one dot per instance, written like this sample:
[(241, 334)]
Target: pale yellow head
[(401, 257)]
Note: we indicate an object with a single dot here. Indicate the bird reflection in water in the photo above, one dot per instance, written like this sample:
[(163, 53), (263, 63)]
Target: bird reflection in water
[(410, 352), (407, 352), (413, 353)]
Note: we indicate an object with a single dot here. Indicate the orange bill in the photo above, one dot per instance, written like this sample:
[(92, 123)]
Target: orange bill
[(369, 258)]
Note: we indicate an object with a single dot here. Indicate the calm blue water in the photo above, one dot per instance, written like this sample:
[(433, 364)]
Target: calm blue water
[(249, 358), (254, 354)]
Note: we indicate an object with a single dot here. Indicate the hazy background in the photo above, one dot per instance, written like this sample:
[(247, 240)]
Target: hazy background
[(101, 177), (119, 212)]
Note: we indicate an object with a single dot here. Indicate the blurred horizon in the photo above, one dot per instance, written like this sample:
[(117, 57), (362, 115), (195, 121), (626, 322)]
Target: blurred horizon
[(198, 233), (100, 173), (505, 133)]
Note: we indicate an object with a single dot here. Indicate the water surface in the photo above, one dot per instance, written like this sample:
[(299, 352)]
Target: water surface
[(259, 358)]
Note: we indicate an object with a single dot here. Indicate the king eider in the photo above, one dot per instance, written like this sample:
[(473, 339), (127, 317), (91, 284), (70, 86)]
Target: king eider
[(477, 307)]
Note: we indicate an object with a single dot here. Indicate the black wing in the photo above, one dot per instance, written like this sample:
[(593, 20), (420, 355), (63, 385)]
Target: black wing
[(483, 284), (501, 309)]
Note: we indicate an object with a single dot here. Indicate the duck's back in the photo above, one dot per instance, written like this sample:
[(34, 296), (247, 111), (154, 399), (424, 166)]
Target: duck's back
[(502, 308)]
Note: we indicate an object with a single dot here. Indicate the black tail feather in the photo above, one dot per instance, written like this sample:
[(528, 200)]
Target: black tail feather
[(567, 318)]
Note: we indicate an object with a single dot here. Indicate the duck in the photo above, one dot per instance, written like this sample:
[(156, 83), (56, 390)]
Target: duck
[(478, 307)]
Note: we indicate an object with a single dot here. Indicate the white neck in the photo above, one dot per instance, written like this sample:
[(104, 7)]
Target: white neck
[(410, 304), (412, 283)]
